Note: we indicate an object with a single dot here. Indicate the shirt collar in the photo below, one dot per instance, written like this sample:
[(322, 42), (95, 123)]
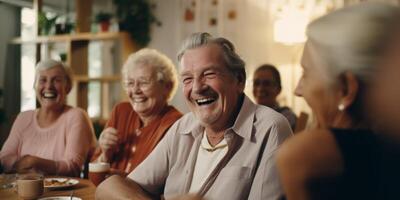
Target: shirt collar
[(205, 144), (244, 121), (242, 126)]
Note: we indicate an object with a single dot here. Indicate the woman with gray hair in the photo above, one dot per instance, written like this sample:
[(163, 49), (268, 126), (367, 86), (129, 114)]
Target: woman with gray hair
[(343, 157), (55, 138), (136, 127)]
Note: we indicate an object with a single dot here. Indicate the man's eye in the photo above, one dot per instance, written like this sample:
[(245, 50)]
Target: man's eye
[(210, 75), (187, 80)]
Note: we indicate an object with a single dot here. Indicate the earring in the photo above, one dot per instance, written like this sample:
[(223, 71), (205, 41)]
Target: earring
[(341, 107)]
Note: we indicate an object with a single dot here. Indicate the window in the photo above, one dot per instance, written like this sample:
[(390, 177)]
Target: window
[(28, 98)]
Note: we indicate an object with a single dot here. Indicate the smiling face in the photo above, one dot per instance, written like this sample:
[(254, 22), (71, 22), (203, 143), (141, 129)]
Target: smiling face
[(211, 90), (51, 87), (319, 92), (265, 90), (146, 94)]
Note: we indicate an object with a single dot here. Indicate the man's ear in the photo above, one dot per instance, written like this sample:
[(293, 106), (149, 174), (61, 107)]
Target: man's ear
[(241, 77), (350, 89)]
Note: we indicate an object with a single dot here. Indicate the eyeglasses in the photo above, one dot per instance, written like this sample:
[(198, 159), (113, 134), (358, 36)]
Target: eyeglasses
[(143, 83)]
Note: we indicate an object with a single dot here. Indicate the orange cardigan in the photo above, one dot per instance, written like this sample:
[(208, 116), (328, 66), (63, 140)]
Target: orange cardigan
[(136, 143)]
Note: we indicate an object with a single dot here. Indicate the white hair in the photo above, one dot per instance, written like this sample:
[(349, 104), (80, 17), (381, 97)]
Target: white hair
[(50, 63), (163, 66), (353, 38)]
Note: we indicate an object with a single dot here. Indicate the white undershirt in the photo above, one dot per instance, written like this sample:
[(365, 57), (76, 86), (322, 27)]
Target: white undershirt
[(208, 158)]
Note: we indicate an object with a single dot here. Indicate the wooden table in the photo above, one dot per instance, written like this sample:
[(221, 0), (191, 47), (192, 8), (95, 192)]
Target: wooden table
[(85, 190)]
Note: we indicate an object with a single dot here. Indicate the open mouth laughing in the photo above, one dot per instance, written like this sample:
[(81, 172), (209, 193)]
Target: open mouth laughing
[(205, 101), (138, 99), (49, 95)]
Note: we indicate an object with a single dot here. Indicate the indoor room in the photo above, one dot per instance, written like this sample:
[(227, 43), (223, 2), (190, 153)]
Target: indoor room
[(199, 99)]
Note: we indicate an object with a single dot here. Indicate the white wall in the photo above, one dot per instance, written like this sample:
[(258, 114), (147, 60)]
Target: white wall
[(251, 33), (166, 38)]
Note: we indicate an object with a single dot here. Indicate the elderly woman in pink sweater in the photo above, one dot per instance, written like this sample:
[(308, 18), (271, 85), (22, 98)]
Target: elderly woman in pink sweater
[(55, 138)]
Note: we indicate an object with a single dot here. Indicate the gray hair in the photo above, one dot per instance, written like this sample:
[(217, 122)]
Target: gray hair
[(354, 38), (50, 63), (165, 69), (233, 61)]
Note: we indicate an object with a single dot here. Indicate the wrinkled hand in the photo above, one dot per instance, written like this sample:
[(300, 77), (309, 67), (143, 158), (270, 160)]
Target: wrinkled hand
[(25, 164), (108, 140)]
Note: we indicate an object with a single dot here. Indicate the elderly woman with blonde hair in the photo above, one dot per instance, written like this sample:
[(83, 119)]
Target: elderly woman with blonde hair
[(55, 138), (346, 156), (136, 127)]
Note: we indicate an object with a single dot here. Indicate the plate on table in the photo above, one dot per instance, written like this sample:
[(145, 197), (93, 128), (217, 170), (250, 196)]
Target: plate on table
[(55, 183), (60, 198)]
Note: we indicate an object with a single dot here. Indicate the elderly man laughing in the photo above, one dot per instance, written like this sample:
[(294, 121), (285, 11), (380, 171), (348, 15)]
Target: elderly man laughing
[(223, 149)]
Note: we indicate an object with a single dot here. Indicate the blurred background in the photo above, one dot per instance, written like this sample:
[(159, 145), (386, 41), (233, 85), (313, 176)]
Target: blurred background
[(94, 37)]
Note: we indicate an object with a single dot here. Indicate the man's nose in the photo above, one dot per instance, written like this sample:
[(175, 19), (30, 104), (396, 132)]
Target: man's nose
[(199, 85)]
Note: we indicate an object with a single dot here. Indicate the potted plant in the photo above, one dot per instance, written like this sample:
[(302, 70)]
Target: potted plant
[(103, 19), (136, 17), (46, 23)]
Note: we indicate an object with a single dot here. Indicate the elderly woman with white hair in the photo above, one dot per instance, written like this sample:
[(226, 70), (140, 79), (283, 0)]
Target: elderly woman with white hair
[(136, 127), (55, 138), (346, 156)]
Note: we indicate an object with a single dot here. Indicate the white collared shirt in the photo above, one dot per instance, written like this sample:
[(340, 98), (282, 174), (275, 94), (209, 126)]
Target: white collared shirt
[(250, 174), (208, 158)]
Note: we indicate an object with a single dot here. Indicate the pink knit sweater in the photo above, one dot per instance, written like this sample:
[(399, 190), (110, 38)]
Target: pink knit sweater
[(67, 141)]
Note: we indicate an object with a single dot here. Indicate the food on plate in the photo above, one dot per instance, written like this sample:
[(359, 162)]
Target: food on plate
[(56, 182)]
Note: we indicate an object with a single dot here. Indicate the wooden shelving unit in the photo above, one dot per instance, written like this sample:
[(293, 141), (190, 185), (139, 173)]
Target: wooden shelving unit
[(102, 79), (77, 52), (70, 37), (124, 37)]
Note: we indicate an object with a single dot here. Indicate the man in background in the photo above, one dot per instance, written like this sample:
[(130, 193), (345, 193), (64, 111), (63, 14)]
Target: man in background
[(266, 88)]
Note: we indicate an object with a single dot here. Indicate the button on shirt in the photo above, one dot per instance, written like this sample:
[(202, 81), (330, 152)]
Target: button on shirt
[(250, 174)]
